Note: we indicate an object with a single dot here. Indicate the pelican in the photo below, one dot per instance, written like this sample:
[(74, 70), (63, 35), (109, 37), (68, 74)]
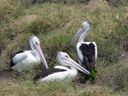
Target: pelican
[(86, 51), (61, 73), (24, 60)]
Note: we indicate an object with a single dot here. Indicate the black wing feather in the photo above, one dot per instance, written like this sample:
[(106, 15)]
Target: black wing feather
[(11, 63), (88, 62), (88, 52), (47, 72), (18, 52)]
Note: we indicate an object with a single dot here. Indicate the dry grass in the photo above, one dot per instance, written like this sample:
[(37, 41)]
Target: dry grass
[(116, 74), (28, 88)]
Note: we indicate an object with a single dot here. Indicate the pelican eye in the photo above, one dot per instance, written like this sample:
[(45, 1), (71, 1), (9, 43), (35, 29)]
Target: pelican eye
[(67, 56), (36, 43)]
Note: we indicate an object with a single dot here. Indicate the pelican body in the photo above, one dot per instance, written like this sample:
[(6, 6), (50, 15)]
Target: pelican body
[(61, 72), (86, 51), (24, 60)]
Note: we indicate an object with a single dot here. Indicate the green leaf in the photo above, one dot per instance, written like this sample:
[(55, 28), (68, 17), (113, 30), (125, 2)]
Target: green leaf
[(92, 75)]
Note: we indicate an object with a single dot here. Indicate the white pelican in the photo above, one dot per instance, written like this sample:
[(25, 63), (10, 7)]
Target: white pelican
[(24, 60), (60, 72), (86, 51)]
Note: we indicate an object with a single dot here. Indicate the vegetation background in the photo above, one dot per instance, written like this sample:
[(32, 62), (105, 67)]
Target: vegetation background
[(55, 22)]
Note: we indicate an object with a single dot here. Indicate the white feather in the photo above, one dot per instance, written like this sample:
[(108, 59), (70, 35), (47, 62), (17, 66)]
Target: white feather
[(95, 50), (69, 74), (61, 67), (19, 57), (80, 55), (25, 60), (56, 76)]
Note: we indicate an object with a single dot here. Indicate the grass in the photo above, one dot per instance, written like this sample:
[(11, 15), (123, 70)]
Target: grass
[(117, 3), (28, 88), (55, 24), (116, 74)]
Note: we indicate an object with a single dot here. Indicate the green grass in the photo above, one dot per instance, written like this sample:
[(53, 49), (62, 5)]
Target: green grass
[(28, 88), (55, 24), (116, 76)]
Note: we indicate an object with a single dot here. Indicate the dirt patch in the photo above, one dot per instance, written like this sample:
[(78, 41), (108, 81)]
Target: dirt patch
[(5, 75), (4, 61)]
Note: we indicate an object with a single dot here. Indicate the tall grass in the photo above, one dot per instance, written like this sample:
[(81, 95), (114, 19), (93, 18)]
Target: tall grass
[(9, 9)]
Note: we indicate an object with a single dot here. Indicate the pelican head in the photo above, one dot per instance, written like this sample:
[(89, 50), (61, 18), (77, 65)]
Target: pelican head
[(83, 31), (35, 45), (65, 60)]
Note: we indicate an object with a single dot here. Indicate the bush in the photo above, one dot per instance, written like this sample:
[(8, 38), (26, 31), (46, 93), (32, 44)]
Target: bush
[(9, 10)]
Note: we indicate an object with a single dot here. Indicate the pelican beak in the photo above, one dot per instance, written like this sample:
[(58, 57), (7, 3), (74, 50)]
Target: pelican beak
[(81, 30), (40, 52), (78, 66)]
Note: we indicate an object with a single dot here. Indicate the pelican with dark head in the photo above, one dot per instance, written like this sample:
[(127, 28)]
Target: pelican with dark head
[(86, 51)]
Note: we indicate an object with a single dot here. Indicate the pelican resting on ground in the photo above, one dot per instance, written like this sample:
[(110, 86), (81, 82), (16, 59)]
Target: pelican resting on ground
[(86, 51), (61, 72), (27, 59)]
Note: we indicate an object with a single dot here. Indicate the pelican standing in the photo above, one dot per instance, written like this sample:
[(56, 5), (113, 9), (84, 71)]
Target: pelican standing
[(25, 60), (86, 51), (61, 72)]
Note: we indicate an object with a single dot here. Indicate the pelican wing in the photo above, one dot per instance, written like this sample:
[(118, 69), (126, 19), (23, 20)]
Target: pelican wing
[(19, 57), (47, 72), (88, 52)]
